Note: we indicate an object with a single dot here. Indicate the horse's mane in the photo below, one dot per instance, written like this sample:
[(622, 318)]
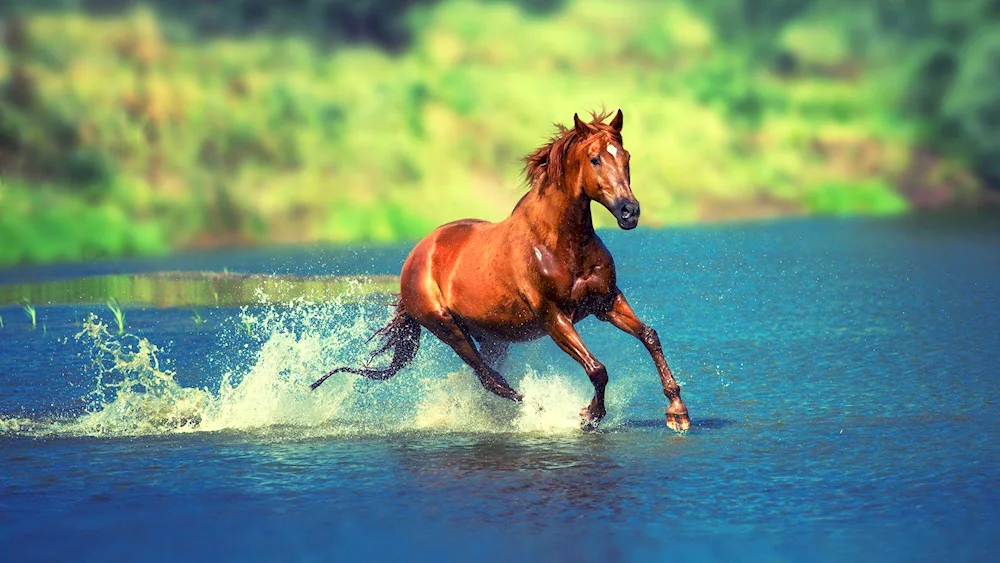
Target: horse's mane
[(548, 160)]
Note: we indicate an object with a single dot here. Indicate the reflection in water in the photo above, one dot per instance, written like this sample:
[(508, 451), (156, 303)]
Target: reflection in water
[(203, 289), (699, 424), (523, 480)]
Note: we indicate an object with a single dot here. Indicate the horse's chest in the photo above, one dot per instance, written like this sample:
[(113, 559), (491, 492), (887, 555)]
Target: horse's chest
[(575, 284), (594, 283)]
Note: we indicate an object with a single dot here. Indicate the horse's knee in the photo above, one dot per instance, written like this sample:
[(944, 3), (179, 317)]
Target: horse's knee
[(649, 337), (493, 352), (598, 374), (671, 390)]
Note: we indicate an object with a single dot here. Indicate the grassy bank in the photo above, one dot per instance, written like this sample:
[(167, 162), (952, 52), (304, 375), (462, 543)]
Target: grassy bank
[(196, 289), (131, 134)]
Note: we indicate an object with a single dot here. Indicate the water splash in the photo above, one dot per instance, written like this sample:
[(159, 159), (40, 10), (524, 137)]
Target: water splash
[(133, 395), (457, 401)]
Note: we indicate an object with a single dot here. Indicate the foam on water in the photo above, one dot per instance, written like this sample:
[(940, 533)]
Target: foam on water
[(133, 395)]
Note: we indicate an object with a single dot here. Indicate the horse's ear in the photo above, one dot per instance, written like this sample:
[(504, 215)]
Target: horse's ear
[(616, 123), (581, 128)]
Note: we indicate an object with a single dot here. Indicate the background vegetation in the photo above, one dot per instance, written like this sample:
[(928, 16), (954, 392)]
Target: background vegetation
[(139, 128)]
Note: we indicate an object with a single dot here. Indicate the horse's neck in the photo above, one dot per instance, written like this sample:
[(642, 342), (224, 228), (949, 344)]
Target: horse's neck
[(556, 216)]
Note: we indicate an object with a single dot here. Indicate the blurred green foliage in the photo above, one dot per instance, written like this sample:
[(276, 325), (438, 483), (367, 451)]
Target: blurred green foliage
[(872, 198), (42, 224), (139, 128)]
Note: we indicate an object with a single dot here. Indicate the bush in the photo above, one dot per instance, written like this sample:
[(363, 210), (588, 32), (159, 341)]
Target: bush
[(972, 104), (852, 198), (178, 115), (46, 225)]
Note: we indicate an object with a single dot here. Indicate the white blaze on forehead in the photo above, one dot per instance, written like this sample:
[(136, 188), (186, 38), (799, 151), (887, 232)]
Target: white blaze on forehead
[(612, 149)]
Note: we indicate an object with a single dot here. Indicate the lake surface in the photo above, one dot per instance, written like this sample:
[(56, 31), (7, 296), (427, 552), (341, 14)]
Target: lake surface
[(842, 378)]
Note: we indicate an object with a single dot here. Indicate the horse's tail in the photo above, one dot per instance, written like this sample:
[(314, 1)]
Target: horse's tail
[(402, 335)]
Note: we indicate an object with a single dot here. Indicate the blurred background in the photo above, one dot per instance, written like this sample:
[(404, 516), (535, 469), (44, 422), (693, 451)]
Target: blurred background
[(148, 127)]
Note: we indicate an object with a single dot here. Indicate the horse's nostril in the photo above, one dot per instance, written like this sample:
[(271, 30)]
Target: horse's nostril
[(630, 210)]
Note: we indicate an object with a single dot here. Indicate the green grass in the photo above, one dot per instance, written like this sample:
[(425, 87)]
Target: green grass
[(196, 317), (247, 322), (116, 310), (29, 311)]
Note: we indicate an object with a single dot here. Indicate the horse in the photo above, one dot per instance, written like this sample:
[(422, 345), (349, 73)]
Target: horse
[(479, 286)]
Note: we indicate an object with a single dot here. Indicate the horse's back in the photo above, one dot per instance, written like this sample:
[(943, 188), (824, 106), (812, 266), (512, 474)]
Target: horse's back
[(432, 261), (446, 242), (473, 270)]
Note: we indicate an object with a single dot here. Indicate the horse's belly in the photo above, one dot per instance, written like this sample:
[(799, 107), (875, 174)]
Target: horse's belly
[(506, 332), (503, 316)]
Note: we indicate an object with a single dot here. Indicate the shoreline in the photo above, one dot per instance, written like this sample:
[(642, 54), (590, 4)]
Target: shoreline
[(196, 289)]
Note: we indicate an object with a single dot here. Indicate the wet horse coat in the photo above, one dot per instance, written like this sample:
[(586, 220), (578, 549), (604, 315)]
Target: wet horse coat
[(536, 273)]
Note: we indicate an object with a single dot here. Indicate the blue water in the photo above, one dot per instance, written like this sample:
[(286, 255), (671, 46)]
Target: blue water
[(841, 376)]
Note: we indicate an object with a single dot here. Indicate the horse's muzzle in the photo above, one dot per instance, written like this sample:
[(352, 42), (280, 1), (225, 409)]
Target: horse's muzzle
[(628, 215)]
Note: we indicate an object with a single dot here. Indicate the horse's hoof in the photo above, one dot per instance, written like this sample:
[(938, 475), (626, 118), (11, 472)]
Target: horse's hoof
[(506, 393), (678, 422), (588, 421)]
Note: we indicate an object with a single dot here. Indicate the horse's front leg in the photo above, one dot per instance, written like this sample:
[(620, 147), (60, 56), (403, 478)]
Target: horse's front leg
[(560, 328), (494, 351), (622, 316)]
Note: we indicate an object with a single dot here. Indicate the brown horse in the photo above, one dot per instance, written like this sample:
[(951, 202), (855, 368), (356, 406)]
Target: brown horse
[(537, 272)]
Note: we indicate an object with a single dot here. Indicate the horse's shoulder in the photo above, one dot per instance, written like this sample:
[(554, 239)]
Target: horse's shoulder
[(548, 265), (551, 266)]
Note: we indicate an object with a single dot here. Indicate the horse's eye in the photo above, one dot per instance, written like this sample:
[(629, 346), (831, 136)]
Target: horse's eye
[(595, 160)]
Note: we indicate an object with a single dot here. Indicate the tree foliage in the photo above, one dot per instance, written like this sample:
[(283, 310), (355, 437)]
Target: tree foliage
[(177, 122)]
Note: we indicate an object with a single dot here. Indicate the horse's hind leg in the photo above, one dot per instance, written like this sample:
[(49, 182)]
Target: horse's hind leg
[(443, 325)]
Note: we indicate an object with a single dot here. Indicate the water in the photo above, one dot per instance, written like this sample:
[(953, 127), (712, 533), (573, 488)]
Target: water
[(841, 375)]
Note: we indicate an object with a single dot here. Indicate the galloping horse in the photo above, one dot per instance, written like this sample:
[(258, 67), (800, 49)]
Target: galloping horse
[(537, 272)]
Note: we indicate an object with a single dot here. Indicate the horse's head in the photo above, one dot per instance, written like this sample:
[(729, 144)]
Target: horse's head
[(604, 168)]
